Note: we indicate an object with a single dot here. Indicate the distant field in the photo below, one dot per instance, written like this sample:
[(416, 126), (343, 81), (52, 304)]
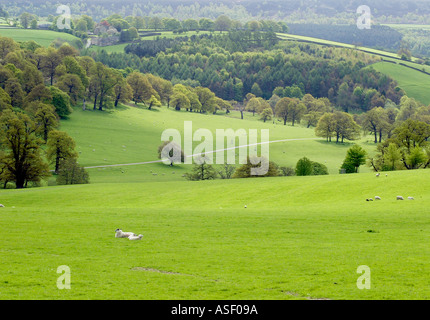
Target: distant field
[(42, 37), (415, 83), (164, 34), (386, 55), (408, 26), (135, 135)]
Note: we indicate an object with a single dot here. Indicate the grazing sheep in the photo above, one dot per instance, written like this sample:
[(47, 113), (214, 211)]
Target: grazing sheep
[(400, 198), (377, 175), (370, 199), (377, 198), (386, 174), (245, 206), (139, 237), (1, 206), (120, 234), (411, 198)]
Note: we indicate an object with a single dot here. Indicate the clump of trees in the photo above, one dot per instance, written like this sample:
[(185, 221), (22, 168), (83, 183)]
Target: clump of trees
[(355, 157), (407, 149), (306, 167)]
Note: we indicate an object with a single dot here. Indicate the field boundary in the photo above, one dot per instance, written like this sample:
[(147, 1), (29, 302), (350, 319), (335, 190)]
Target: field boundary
[(193, 155)]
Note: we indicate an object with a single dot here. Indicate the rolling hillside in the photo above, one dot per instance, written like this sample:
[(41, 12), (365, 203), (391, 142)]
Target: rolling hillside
[(299, 238)]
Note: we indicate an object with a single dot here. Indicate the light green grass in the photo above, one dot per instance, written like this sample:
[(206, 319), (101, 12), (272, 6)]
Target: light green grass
[(42, 37), (407, 26), (119, 48), (416, 84), (386, 55), (132, 135), (299, 238)]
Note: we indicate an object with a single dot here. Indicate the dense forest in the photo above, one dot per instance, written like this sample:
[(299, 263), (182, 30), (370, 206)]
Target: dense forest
[(326, 11), (232, 66), (377, 36)]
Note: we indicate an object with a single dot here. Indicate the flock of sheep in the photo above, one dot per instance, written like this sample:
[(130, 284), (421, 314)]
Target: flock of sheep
[(130, 235), (398, 197)]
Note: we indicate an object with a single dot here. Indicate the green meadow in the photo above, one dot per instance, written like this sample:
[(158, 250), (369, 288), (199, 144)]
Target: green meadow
[(298, 238), (416, 84), (42, 37), (275, 238), (130, 135)]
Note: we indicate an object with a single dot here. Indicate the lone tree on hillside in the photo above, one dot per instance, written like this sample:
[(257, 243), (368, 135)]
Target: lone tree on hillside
[(355, 157), (169, 150)]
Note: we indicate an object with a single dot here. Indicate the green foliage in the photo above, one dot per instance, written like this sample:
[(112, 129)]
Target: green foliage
[(304, 167), (61, 147), (319, 169), (21, 160), (70, 172), (202, 171), (61, 102), (355, 157), (246, 170)]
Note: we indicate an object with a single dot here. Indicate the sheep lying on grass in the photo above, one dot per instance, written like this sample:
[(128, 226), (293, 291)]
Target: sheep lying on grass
[(120, 234), (377, 198), (139, 237), (370, 199), (411, 198), (400, 198)]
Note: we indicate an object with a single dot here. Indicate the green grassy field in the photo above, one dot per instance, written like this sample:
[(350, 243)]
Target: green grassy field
[(42, 37), (119, 48), (407, 26), (299, 238), (132, 135), (416, 84), (386, 55)]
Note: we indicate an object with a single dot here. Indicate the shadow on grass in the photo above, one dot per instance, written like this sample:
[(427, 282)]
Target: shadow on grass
[(340, 145)]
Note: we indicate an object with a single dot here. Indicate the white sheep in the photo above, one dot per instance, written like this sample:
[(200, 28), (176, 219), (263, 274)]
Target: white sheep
[(246, 206), (400, 198), (377, 198), (1, 206), (377, 175), (411, 198), (120, 234), (139, 237)]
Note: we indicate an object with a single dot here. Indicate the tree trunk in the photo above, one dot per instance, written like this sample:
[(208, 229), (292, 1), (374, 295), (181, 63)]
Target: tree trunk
[(95, 102), (20, 182)]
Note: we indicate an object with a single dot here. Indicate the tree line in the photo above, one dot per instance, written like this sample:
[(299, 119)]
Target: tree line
[(39, 86), (218, 63)]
